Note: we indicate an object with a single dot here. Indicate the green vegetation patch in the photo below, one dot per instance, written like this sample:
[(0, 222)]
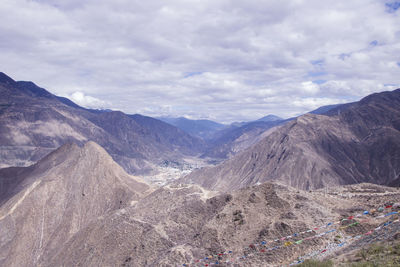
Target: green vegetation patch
[(378, 255)]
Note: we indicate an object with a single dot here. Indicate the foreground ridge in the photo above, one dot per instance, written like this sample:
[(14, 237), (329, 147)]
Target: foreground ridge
[(262, 247)]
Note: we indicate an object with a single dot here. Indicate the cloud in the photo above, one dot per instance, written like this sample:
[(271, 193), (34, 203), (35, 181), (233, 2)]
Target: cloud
[(228, 60), (310, 88), (88, 101)]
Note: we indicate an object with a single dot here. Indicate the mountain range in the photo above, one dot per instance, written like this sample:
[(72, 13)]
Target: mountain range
[(353, 143), (204, 129), (33, 122), (283, 188), (77, 207), (234, 139)]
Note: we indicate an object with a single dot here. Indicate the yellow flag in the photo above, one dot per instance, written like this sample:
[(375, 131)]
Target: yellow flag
[(288, 244)]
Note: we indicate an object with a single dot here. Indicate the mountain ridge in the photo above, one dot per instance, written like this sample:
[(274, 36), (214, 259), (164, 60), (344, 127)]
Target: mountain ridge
[(34, 122), (61, 194), (358, 142), (204, 129)]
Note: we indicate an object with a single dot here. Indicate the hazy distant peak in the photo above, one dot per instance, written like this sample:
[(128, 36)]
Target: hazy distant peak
[(325, 109), (270, 117)]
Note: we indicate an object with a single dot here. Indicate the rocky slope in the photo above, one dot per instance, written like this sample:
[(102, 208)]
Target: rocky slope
[(77, 207), (181, 224), (49, 202), (232, 140), (353, 143), (33, 122)]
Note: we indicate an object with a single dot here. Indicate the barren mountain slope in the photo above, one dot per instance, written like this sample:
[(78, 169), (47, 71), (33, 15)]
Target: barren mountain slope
[(354, 143), (180, 224), (204, 129), (58, 196), (33, 122), (233, 140)]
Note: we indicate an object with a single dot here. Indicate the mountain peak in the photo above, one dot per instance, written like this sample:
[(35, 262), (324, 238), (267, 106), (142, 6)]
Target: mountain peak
[(62, 194), (5, 79), (316, 151), (31, 89), (93, 147), (270, 117)]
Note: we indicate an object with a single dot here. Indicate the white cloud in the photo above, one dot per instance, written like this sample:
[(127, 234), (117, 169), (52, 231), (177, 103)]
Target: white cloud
[(88, 101), (312, 103), (228, 60), (310, 88)]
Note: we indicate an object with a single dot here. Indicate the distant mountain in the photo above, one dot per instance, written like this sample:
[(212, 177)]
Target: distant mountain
[(352, 143), (270, 118), (234, 139), (33, 122), (204, 129), (57, 197), (324, 109)]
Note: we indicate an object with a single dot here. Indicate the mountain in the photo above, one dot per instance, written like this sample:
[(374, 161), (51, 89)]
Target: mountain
[(232, 140), (353, 143), (225, 141), (325, 109), (180, 224), (77, 207), (33, 122), (270, 118), (204, 129), (47, 203), (172, 136)]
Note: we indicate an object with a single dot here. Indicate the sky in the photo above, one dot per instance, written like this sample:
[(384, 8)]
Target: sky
[(224, 60)]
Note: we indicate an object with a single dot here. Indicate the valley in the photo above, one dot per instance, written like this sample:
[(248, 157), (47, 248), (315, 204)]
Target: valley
[(81, 187), (199, 133), (168, 172)]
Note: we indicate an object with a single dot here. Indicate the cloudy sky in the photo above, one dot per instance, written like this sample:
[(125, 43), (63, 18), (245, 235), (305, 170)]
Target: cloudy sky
[(225, 60)]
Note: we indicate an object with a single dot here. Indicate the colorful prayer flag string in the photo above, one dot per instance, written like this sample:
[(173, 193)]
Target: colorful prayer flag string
[(289, 243)]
